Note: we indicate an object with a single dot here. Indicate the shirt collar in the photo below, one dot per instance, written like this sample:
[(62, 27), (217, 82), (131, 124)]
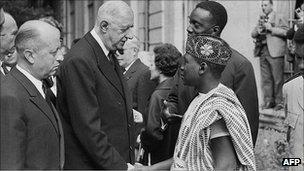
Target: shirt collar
[(128, 67), (35, 81), (99, 41)]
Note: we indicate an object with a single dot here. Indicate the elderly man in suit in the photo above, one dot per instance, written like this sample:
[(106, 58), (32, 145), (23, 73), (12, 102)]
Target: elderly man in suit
[(31, 132), (271, 30), (133, 70), (93, 97), (8, 33)]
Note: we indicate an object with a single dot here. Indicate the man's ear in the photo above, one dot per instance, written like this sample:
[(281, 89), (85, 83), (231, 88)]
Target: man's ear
[(216, 29), (104, 25), (203, 68), (29, 55)]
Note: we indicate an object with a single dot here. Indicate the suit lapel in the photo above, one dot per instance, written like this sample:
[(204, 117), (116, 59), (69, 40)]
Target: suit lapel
[(104, 65), (35, 96), (132, 69)]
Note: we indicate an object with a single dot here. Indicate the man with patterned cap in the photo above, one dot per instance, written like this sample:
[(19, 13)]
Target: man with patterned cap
[(210, 18), (215, 132)]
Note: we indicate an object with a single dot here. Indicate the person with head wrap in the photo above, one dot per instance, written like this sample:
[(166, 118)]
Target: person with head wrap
[(293, 93), (215, 132), (210, 18), (272, 51)]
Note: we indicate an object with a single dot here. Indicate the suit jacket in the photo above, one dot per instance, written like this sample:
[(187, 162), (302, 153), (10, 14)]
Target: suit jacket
[(132, 76), (239, 76), (95, 105), (145, 87), (276, 39), (30, 128), (160, 143), (293, 92)]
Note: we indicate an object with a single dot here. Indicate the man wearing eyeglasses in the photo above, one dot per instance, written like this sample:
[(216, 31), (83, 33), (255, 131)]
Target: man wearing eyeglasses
[(8, 33)]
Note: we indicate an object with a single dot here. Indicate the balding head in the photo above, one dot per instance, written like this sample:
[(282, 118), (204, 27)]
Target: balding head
[(8, 32), (37, 44), (114, 11), (35, 34), (113, 24), (129, 53)]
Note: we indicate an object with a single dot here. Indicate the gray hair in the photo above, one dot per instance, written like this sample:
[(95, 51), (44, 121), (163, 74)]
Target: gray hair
[(113, 11)]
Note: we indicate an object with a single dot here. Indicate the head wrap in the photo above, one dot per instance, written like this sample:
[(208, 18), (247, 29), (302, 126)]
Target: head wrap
[(299, 34), (210, 48), (217, 10)]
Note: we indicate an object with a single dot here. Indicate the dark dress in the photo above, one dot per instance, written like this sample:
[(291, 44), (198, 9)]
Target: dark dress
[(156, 141)]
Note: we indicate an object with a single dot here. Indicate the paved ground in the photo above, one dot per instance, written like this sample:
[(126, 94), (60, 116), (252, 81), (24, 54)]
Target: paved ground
[(271, 146)]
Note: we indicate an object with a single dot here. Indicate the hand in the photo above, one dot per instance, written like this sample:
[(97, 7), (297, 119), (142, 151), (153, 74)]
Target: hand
[(261, 30), (138, 118), (140, 167), (268, 26), (171, 117), (168, 109)]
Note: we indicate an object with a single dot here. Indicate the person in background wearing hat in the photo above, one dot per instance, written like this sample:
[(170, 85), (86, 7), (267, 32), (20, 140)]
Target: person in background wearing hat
[(293, 93), (274, 28), (210, 18), (215, 132)]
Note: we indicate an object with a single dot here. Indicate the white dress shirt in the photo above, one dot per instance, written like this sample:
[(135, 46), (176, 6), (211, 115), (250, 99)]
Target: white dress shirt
[(37, 83)]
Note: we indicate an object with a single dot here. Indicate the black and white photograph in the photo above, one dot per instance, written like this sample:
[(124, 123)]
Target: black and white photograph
[(152, 85)]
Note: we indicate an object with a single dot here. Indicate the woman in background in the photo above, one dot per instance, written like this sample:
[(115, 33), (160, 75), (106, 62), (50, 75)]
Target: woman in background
[(158, 138)]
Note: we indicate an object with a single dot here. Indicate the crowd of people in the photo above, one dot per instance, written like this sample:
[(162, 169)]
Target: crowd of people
[(98, 106)]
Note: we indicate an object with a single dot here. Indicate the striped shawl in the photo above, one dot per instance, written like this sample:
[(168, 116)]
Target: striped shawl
[(192, 150)]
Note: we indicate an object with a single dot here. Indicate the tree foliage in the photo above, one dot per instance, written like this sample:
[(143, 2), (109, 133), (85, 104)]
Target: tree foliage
[(24, 10)]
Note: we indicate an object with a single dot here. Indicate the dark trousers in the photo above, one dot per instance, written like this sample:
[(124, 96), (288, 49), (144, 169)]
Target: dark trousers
[(272, 70)]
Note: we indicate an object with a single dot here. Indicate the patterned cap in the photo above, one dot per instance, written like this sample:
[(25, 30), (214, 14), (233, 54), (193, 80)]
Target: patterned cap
[(209, 48)]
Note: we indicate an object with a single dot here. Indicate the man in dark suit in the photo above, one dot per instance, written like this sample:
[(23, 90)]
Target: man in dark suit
[(210, 17), (8, 32), (31, 132), (93, 97), (133, 70)]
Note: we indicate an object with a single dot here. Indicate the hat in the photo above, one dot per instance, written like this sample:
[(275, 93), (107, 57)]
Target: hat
[(299, 34), (210, 48)]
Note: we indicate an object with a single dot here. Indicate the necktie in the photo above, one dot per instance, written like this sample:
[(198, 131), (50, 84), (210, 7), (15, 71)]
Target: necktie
[(46, 86), (4, 69)]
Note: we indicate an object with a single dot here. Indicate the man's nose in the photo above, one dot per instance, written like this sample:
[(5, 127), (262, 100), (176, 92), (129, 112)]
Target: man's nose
[(59, 56), (189, 29), (130, 34)]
